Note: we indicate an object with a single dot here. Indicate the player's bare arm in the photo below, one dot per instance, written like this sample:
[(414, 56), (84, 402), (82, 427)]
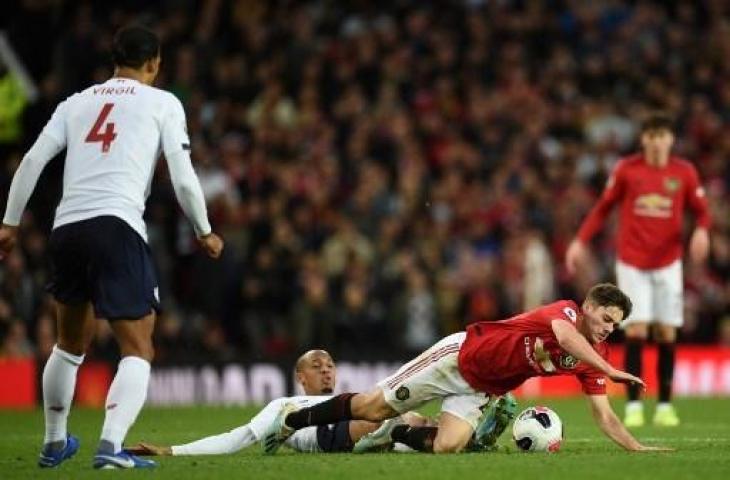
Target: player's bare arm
[(699, 245), (577, 345), (575, 256), (610, 424), (150, 450)]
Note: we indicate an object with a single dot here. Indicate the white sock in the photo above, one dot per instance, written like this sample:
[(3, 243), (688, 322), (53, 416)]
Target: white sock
[(663, 406), (634, 406), (59, 383), (125, 399), (224, 443)]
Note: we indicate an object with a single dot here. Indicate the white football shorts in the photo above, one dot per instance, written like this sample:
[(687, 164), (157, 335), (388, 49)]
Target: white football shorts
[(435, 374), (655, 294)]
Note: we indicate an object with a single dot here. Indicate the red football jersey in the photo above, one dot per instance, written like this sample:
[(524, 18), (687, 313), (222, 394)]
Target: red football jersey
[(651, 207), (497, 357)]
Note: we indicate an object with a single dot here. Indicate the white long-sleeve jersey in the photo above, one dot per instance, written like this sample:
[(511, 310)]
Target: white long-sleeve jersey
[(114, 133)]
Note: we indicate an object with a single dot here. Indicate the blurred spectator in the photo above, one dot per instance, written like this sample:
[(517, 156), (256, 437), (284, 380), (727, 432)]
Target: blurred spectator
[(723, 334), (13, 101), (419, 312), (383, 177)]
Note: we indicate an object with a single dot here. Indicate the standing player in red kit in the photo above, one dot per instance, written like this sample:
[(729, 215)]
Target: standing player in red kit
[(652, 189), (489, 359)]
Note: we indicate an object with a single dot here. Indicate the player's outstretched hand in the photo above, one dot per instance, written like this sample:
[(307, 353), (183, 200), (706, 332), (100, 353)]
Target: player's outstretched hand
[(8, 237), (212, 244), (575, 256), (149, 450), (646, 448), (625, 377)]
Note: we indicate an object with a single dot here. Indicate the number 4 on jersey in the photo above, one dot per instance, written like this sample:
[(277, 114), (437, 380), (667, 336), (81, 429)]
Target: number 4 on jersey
[(95, 134)]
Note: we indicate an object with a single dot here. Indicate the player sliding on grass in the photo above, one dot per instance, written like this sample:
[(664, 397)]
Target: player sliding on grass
[(316, 373), (490, 358)]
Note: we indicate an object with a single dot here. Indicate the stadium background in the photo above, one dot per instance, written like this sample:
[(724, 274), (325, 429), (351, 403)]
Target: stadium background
[(383, 174)]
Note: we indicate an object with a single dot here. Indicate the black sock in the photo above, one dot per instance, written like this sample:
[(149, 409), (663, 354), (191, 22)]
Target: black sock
[(632, 364), (665, 371), (336, 409), (418, 438)]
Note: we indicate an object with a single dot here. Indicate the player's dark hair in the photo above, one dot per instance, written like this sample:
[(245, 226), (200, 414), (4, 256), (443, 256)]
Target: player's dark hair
[(657, 121), (134, 45), (608, 294)]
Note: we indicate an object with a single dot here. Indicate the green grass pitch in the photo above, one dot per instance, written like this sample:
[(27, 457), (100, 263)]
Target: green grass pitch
[(702, 443)]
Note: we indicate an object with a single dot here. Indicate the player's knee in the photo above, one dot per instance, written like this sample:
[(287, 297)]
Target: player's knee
[(637, 332), (371, 406), (447, 445), (379, 413), (666, 335), (374, 413)]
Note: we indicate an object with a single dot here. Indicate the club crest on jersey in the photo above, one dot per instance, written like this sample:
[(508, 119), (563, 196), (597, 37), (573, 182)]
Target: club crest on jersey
[(402, 393), (671, 184), (568, 361)]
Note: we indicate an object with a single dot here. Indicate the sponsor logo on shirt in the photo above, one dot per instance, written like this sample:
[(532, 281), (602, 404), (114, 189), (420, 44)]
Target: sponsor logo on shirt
[(538, 358), (653, 205)]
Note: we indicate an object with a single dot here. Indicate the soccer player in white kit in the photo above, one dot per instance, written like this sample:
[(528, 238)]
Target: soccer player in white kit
[(316, 373), (100, 261)]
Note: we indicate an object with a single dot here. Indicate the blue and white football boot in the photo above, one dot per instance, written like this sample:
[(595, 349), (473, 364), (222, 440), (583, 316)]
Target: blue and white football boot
[(122, 459), (50, 458)]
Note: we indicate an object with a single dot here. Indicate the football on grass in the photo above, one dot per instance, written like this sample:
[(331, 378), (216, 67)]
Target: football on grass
[(538, 429)]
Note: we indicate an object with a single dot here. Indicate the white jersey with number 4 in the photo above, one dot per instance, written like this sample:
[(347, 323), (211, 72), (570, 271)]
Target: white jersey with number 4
[(114, 133)]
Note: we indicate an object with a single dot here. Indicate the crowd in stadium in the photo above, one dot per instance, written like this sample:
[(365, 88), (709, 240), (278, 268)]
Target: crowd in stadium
[(383, 175)]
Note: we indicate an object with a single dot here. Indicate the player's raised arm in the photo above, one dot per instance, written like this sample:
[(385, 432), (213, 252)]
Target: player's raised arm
[(610, 424), (176, 146)]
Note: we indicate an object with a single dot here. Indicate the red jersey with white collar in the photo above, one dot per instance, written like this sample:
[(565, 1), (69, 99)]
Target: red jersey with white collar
[(497, 357), (651, 207)]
